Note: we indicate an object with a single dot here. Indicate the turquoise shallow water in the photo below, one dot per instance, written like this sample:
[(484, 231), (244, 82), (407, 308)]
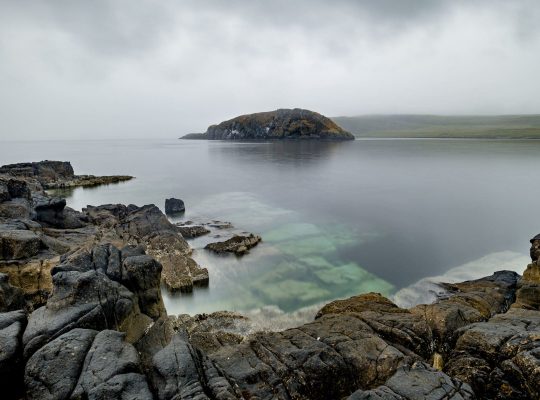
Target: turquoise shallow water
[(336, 219)]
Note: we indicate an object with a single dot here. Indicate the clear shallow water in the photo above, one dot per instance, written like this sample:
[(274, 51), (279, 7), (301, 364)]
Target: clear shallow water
[(337, 219)]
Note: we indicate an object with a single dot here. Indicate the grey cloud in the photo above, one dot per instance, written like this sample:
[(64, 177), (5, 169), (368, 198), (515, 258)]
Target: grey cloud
[(128, 67)]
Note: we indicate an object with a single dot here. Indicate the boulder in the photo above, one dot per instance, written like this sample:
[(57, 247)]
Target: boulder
[(52, 212), (174, 206)]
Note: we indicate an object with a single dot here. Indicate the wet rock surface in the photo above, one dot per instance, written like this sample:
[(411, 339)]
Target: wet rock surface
[(238, 244), (192, 231)]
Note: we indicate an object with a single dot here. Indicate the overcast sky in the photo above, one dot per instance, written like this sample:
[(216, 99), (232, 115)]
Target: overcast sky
[(135, 68)]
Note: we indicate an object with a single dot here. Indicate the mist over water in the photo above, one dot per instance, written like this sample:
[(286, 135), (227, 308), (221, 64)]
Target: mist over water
[(337, 219)]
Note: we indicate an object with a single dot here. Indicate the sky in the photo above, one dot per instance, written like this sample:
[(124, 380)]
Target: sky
[(73, 69)]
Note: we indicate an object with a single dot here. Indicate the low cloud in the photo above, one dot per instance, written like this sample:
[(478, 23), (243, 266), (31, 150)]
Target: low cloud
[(80, 69)]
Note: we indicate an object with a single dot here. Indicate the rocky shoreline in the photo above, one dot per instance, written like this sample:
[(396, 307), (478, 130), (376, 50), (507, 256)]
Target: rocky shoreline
[(82, 317)]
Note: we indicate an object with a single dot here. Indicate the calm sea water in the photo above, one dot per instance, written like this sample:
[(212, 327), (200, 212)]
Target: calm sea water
[(337, 219)]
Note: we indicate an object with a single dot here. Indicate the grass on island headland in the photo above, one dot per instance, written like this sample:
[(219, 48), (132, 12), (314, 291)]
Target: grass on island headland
[(439, 126)]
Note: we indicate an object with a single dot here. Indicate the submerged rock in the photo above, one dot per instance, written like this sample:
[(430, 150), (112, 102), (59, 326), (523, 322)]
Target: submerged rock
[(238, 244), (193, 231), (280, 124)]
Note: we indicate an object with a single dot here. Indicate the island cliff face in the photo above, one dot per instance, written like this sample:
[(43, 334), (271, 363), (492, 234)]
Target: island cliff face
[(280, 124)]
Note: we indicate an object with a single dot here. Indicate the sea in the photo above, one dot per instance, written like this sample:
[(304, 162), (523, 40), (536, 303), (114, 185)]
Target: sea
[(337, 219)]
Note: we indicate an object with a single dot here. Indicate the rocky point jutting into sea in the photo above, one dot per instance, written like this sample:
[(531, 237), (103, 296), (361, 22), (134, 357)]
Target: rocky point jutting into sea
[(296, 124), (82, 317)]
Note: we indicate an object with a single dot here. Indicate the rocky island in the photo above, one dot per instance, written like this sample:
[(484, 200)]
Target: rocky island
[(82, 317), (292, 124)]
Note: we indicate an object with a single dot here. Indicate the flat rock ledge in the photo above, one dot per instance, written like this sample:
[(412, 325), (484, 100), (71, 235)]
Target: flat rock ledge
[(59, 175), (238, 244)]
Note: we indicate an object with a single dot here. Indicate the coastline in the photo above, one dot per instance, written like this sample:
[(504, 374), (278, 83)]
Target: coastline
[(89, 281)]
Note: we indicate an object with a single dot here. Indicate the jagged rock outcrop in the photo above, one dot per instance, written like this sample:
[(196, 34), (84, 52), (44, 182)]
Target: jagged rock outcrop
[(104, 288), (148, 226), (280, 124)]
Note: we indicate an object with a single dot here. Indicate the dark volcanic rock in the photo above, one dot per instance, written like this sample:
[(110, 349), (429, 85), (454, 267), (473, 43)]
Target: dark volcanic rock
[(52, 212), (238, 244), (85, 364), (280, 124), (180, 371), (174, 206), (53, 371), (418, 381), (98, 289), (12, 325)]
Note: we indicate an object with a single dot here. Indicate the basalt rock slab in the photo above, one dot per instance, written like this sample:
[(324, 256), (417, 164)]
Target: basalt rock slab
[(238, 244), (192, 231)]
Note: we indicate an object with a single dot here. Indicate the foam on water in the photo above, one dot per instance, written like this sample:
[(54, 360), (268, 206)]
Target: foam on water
[(425, 290)]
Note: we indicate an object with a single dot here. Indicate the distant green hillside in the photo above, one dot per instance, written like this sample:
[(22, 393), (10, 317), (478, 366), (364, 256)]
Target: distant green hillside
[(438, 126)]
